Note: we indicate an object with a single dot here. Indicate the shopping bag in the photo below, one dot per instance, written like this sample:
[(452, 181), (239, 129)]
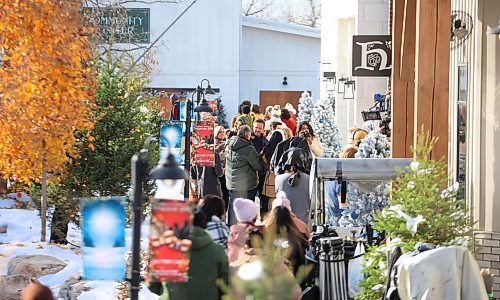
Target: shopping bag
[(355, 271)]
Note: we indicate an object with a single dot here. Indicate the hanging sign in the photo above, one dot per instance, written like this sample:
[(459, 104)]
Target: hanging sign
[(213, 104), (169, 242), (371, 55), (203, 144), (103, 233), (171, 133)]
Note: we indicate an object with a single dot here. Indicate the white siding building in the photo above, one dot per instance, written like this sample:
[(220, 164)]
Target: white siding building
[(243, 57), (340, 21)]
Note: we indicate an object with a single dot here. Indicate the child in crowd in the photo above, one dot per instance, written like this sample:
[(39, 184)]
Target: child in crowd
[(245, 211)]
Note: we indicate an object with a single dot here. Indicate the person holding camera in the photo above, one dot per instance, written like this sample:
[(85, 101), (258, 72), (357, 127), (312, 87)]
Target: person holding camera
[(306, 132)]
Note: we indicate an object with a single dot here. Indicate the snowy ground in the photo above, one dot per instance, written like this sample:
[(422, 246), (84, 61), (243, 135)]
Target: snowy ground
[(23, 237)]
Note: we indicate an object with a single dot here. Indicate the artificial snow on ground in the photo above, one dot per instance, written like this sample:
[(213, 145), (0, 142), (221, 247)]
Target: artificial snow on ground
[(23, 238)]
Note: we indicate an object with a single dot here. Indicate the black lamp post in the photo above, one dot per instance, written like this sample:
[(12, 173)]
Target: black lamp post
[(168, 169), (201, 106)]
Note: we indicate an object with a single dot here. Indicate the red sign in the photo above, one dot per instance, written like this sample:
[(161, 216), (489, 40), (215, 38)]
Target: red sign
[(203, 144), (213, 104), (169, 242)]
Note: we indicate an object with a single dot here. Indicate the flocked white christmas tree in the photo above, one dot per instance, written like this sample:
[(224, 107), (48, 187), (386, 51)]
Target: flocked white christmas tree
[(325, 128), (305, 108), (365, 200), (369, 126)]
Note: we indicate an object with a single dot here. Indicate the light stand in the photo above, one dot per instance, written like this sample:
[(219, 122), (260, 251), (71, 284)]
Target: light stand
[(200, 107), (165, 170)]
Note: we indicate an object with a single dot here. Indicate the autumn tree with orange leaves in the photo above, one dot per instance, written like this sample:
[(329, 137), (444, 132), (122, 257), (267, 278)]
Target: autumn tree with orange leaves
[(46, 88)]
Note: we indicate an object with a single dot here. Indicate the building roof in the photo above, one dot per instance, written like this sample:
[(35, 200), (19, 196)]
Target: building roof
[(281, 27)]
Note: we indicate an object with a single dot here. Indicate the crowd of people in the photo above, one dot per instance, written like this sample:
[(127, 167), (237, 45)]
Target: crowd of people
[(259, 183)]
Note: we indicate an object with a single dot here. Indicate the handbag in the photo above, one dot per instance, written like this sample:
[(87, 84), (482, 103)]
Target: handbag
[(269, 189)]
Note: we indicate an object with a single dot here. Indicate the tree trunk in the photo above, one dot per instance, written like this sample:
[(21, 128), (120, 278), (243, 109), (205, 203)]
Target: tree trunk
[(43, 204)]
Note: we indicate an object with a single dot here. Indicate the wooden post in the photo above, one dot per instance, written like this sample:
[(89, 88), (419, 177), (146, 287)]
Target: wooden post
[(403, 76), (432, 67), (421, 54)]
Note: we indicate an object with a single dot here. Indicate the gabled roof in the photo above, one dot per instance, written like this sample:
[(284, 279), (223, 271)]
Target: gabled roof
[(281, 27)]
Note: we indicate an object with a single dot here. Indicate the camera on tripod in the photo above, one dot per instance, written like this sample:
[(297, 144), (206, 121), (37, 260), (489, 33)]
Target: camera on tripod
[(380, 111)]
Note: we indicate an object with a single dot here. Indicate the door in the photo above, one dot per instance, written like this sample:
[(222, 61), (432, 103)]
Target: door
[(270, 98)]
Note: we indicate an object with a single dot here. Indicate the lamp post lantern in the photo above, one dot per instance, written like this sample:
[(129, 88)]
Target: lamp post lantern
[(201, 106), (168, 169)]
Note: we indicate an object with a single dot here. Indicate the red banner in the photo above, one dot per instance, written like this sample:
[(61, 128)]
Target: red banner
[(203, 144), (213, 104), (169, 242)]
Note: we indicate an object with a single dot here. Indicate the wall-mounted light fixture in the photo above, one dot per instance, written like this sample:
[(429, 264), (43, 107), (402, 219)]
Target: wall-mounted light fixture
[(459, 29), (349, 88), (340, 85), (494, 30), (330, 80), (285, 82)]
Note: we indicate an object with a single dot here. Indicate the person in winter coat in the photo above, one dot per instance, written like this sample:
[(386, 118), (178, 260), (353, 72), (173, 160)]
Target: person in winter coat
[(215, 209), (306, 132), (282, 200), (235, 118), (256, 114), (254, 252), (208, 263), (259, 141), (246, 214), (280, 223), (295, 183), (275, 117), (278, 159), (245, 118), (286, 118), (265, 157), (242, 164), (207, 178)]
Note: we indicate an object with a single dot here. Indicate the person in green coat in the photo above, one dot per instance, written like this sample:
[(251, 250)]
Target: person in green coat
[(208, 264), (242, 164)]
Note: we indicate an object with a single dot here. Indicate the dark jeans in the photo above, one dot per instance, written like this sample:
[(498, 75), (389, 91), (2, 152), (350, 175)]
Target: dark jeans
[(264, 200), (225, 191), (250, 194)]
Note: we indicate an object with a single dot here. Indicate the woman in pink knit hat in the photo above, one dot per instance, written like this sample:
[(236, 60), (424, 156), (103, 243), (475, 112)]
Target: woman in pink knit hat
[(245, 211), (282, 200)]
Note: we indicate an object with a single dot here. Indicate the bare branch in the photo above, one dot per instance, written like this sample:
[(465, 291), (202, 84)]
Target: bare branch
[(256, 7)]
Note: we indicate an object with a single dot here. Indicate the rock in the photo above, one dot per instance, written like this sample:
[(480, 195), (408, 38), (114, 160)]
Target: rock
[(11, 286), (72, 288), (3, 228), (35, 265)]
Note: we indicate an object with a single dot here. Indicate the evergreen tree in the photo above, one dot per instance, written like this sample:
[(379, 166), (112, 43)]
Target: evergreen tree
[(124, 118), (305, 108), (374, 145), (421, 209), (369, 126), (366, 199), (221, 114), (325, 127)]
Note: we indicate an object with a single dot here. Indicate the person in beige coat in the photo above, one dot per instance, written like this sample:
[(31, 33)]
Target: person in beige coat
[(305, 131)]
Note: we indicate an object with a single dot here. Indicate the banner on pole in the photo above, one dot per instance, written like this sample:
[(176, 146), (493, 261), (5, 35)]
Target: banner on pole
[(172, 132), (203, 144), (169, 242), (103, 234)]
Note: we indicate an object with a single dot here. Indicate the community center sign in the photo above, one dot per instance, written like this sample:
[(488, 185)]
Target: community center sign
[(371, 55), (120, 25)]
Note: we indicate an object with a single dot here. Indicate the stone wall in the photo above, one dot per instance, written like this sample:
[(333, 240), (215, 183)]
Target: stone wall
[(488, 256)]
